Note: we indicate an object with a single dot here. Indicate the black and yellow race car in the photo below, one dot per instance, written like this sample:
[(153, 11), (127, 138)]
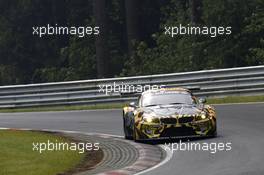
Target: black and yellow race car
[(168, 113)]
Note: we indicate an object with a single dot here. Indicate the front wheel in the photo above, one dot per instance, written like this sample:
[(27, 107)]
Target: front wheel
[(135, 134), (126, 131), (213, 133), (124, 128)]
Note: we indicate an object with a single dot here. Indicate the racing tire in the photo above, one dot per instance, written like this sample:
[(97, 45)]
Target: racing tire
[(125, 131), (135, 134)]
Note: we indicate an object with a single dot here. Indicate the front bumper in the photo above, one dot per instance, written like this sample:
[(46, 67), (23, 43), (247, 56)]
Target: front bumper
[(200, 128)]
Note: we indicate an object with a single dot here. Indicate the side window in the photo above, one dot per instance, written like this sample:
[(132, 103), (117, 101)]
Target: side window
[(195, 101)]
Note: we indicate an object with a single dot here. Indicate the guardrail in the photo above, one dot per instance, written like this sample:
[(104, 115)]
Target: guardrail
[(213, 83)]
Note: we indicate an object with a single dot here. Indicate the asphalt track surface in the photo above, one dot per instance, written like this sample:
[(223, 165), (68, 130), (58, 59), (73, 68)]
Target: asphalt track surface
[(242, 125)]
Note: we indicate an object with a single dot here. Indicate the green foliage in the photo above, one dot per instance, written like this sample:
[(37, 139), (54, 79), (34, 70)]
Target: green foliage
[(25, 58), (244, 47), (255, 32)]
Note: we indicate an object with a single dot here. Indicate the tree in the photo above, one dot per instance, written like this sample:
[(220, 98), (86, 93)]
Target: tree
[(100, 15), (196, 11), (132, 24)]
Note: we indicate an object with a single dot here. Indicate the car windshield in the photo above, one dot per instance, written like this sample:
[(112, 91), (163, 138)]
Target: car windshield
[(166, 99)]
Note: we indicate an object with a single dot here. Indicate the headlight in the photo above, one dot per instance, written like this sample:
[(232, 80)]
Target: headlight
[(201, 116), (150, 119)]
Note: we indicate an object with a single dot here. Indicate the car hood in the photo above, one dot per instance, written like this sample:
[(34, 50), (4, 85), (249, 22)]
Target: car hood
[(167, 110)]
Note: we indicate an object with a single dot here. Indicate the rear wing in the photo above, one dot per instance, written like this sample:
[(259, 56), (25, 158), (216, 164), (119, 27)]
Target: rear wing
[(183, 88), (130, 94), (190, 88), (193, 88)]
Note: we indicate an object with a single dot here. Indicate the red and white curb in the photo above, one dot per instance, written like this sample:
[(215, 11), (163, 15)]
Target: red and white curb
[(147, 160)]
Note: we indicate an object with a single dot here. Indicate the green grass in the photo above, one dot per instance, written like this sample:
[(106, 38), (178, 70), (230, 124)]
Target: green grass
[(65, 108), (231, 99), (18, 158), (235, 99)]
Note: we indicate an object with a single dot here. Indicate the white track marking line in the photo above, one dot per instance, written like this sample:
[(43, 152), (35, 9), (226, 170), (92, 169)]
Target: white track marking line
[(65, 131), (69, 111), (4, 128), (167, 158)]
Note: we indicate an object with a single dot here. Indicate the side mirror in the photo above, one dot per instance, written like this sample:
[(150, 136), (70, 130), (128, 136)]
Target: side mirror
[(132, 104), (202, 100)]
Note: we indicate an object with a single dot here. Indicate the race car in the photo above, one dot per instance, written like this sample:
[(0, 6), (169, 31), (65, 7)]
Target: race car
[(168, 113)]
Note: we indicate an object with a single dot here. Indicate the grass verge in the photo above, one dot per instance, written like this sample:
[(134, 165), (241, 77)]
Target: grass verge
[(65, 108), (231, 99), (235, 99), (18, 158)]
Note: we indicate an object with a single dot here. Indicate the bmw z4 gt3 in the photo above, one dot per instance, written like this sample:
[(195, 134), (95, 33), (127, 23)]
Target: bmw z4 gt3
[(168, 113)]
